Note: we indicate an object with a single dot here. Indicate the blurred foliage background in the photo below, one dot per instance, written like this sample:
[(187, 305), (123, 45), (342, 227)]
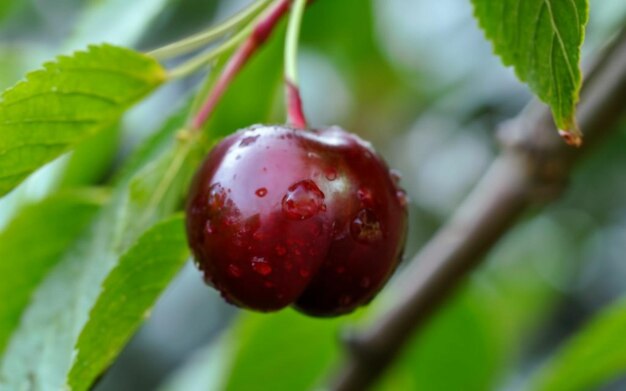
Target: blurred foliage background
[(419, 80)]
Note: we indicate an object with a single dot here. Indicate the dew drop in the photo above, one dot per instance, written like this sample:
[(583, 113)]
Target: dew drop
[(260, 265), (305, 272), (262, 192), (234, 270), (208, 228), (268, 284), (231, 220), (395, 176), (303, 200), (288, 266), (365, 196), (331, 174), (217, 197), (340, 269), (365, 227), (403, 198), (248, 141), (280, 250), (365, 282)]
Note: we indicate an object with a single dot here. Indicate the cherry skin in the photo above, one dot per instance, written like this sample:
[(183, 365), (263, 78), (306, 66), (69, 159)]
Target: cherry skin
[(310, 218)]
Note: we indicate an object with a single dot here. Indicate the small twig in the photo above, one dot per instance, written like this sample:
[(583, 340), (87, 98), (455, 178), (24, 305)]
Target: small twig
[(533, 168), (205, 59)]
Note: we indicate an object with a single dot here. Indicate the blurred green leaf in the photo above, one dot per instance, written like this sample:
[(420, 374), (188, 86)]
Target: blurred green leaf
[(480, 331), (92, 159), (204, 371), (461, 349), (32, 244), (541, 39), (591, 358), (117, 22), (261, 351), (12, 62), (129, 291), (6, 6), (269, 347), (66, 103), (153, 146)]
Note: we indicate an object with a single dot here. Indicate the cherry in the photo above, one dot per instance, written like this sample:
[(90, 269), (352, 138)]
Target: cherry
[(311, 218)]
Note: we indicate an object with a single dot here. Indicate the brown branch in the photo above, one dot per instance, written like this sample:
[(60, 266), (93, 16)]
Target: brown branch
[(533, 168)]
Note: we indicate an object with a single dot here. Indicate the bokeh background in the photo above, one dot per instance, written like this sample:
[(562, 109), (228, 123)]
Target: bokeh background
[(419, 80)]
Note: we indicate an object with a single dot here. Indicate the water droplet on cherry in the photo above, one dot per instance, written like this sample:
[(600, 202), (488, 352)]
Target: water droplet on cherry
[(262, 192), (260, 265), (395, 176), (331, 174), (403, 198), (365, 227), (303, 200), (248, 141), (365, 196)]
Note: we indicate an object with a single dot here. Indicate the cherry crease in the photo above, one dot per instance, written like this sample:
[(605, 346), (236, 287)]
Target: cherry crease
[(310, 218)]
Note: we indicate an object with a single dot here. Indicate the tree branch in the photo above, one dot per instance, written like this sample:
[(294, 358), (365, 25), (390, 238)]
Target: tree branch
[(532, 169)]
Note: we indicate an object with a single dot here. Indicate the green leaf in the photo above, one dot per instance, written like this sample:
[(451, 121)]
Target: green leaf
[(541, 39), (62, 303), (159, 188), (129, 291), (32, 244), (67, 102), (594, 356)]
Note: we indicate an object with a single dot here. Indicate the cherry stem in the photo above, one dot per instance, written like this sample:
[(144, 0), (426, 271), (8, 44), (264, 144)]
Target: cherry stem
[(261, 32), (295, 112)]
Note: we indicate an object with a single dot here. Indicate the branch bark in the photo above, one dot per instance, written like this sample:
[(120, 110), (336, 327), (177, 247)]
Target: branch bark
[(532, 169)]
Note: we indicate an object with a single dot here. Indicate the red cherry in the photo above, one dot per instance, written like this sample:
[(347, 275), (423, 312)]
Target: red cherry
[(278, 217)]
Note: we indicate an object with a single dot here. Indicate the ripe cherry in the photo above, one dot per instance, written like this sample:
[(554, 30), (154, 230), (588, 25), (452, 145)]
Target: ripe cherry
[(278, 216)]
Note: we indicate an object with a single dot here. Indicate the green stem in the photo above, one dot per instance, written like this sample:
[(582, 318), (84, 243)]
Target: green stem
[(202, 60), (199, 40), (293, 37), (295, 112)]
